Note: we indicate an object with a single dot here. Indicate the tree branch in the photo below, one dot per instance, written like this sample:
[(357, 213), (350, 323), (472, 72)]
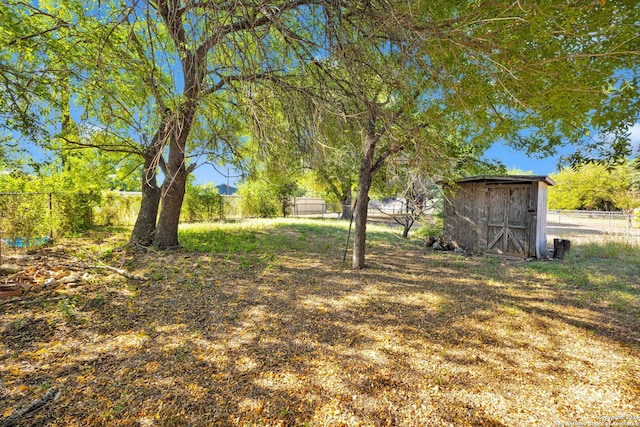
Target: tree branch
[(131, 149), (237, 78), (61, 24), (384, 155), (15, 416), (250, 22)]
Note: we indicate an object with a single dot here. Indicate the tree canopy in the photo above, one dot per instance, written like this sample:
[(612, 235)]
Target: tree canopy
[(445, 81), (174, 82), (594, 187)]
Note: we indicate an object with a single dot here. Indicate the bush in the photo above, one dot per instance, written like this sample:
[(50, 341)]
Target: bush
[(202, 203), (73, 212), (117, 209), (25, 216), (258, 199), (433, 226), (29, 216)]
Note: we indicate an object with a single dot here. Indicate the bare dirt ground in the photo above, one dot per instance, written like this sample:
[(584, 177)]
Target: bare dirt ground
[(293, 338)]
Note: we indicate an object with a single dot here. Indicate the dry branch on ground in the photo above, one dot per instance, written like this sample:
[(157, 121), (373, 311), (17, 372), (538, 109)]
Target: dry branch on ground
[(17, 415), (289, 338), (49, 270)]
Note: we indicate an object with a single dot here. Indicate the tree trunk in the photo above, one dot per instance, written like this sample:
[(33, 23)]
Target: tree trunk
[(361, 211), (175, 181), (362, 205), (347, 201), (405, 231), (173, 190), (145, 225), (408, 222)]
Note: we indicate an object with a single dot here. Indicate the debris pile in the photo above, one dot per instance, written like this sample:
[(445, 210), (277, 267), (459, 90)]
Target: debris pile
[(25, 273), (443, 243), (33, 273)]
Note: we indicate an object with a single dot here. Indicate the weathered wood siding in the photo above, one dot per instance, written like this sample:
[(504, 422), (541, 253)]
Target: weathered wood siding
[(498, 216), (464, 216)]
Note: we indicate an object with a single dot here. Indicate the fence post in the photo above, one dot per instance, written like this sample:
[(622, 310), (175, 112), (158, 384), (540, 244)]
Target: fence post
[(51, 216)]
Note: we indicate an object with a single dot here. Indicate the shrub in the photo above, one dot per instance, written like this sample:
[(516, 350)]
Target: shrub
[(117, 209), (202, 203), (73, 212), (258, 199), (432, 226), (25, 216)]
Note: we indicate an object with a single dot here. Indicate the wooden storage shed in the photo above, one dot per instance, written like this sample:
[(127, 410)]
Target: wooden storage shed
[(499, 214)]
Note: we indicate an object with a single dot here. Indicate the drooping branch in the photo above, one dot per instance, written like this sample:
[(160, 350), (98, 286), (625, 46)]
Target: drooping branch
[(150, 79), (225, 80), (263, 16)]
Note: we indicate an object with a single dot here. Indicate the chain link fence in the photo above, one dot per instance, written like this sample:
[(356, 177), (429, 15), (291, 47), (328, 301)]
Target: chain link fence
[(579, 226), (29, 219), (32, 219), (593, 226)]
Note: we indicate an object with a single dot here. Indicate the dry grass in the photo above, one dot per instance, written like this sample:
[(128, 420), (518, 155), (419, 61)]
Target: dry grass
[(282, 334)]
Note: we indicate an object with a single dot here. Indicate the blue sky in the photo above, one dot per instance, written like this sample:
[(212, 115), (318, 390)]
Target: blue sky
[(206, 173), (514, 159), (511, 158)]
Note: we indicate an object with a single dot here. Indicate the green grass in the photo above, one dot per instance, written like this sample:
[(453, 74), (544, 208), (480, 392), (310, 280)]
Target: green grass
[(600, 268), (606, 274), (218, 240), (608, 250), (260, 319), (265, 236)]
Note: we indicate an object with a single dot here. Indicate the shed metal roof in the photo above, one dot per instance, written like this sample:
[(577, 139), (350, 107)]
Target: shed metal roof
[(506, 179)]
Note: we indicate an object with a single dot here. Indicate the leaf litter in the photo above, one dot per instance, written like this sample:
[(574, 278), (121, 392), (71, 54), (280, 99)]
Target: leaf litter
[(293, 338)]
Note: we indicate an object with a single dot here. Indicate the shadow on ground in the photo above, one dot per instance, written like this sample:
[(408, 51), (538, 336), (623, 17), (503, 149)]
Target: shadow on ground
[(291, 337)]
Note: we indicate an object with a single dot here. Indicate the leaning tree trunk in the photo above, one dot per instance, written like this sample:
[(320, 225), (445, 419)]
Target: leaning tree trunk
[(407, 226), (175, 181), (347, 210), (362, 204), (145, 226), (173, 191)]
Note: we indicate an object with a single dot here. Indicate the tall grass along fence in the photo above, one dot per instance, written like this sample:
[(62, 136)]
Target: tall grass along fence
[(29, 219)]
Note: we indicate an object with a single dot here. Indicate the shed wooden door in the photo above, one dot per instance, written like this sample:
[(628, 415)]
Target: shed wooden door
[(508, 220)]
